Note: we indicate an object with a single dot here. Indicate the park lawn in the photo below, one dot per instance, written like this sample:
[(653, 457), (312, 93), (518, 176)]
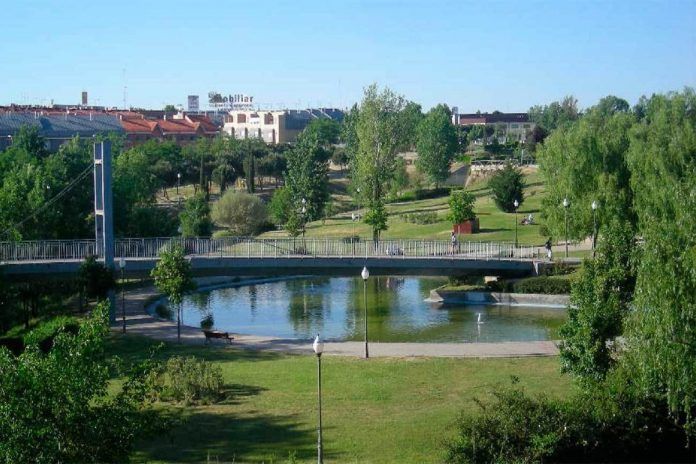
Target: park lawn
[(495, 225), (375, 411)]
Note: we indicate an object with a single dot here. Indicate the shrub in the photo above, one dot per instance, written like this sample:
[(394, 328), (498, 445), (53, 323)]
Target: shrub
[(163, 311), (189, 380), (543, 284), (44, 334), (507, 185), (280, 205), (426, 217), (195, 218), (461, 205), (95, 278), (241, 213)]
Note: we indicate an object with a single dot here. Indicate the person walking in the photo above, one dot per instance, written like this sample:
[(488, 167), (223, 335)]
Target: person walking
[(548, 248), (453, 239)]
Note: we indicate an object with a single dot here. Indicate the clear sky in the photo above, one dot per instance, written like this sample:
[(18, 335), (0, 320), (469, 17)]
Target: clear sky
[(487, 55)]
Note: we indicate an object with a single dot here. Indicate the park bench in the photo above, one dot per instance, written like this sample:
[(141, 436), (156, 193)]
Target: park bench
[(212, 334)]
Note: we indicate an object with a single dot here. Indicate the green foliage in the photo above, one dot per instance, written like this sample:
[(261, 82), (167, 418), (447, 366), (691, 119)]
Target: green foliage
[(610, 425), (425, 217), (410, 118), (599, 303), (195, 218), (436, 144), (325, 130), (172, 275), (307, 175), (95, 278), (57, 407), (660, 329), (189, 380), (241, 213), (586, 162), (380, 132), (461, 205), (280, 205), (543, 285), (555, 115), (507, 185), (44, 334)]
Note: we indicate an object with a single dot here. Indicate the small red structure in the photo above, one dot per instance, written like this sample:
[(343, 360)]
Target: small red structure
[(467, 227)]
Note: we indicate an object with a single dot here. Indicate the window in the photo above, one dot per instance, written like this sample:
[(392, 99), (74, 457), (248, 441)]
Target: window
[(241, 118), (514, 126), (268, 118)]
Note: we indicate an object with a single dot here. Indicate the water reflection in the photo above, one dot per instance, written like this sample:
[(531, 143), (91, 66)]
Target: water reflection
[(334, 307)]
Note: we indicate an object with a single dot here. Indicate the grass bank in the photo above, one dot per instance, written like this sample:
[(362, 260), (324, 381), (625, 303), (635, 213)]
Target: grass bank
[(376, 411)]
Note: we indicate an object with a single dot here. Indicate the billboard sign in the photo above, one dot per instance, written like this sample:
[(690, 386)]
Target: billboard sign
[(193, 103), (230, 102)]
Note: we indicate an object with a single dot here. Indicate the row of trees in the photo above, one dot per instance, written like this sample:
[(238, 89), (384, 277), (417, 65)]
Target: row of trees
[(629, 339)]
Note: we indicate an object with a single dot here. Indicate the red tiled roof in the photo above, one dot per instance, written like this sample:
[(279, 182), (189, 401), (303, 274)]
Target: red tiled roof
[(139, 125)]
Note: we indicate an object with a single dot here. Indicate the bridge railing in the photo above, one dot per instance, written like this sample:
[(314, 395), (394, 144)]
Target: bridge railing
[(245, 247)]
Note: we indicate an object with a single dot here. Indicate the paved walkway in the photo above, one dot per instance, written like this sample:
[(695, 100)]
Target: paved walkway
[(138, 322)]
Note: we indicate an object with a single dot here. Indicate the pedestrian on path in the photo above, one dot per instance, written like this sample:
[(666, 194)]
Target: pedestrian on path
[(453, 239), (548, 248)]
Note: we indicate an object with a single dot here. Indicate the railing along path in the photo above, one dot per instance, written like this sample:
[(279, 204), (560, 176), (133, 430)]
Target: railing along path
[(238, 247)]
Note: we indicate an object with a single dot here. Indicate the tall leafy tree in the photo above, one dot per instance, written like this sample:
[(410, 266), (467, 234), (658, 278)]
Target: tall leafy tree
[(172, 275), (379, 131), (307, 175), (195, 218), (507, 185), (410, 116), (436, 143)]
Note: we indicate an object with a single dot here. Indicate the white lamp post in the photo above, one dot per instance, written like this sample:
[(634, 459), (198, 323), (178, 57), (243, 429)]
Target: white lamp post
[(516, 204), (122, 266), (365, 274), (566, 204), (595, 205), (318, 347)]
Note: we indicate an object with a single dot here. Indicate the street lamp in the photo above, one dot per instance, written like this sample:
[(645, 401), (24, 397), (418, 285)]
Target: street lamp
[(594, 226), (365, 274), (318, 347), (178, 184), (122, 266), (516, 204), (304, 221), (566, 204)]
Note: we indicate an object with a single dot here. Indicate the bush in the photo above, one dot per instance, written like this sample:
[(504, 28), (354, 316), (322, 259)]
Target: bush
[(195, 218), (461, 205), (95, 278), (241, 213), (280, 205), (163, 311), (507, 185), (190, 381), (426, 217), (610, 424), (544, 285), (44, 334)]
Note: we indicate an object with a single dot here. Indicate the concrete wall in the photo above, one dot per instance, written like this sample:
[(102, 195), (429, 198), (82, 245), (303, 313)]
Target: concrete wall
[(497, 298)]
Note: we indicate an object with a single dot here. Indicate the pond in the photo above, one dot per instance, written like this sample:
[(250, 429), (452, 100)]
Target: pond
[(334, 308)]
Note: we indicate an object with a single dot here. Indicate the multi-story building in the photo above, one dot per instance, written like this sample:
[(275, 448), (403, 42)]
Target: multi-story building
[(506, 127), (273, 127), (180, 128)]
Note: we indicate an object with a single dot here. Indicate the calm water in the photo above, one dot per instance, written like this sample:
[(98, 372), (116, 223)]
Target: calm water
[(333, 307)]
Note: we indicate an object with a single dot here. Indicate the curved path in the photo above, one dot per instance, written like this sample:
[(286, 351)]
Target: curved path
[(139, 322)]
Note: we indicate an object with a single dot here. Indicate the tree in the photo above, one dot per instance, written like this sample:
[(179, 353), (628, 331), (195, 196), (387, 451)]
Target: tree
[(281, 205), (172, 275), (61, 406), (461, 205), (507, 185), (326, 130), (195, 218), (586, 162), (241, 213), (436, 143), (555, 114), (660, 328), (170, 108), (410, 118), (380, 133), (95, 278), (307, 175), (600, 301)]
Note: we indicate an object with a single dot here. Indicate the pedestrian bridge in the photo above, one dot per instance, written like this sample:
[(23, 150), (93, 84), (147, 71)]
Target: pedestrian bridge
[(249, 256)]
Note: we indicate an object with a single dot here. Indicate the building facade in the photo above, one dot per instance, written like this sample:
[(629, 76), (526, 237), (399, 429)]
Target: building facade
[(274, 127), (505, 127)]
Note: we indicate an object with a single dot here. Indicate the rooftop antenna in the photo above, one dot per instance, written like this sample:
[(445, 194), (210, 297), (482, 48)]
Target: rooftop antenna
[(125, 89)]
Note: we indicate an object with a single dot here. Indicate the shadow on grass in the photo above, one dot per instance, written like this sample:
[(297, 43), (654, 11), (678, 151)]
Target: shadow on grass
[(484, 230), (134, 348), (212, 435)]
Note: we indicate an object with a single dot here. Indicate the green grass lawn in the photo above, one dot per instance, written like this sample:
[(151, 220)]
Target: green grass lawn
[(495, 224), (375, 411)]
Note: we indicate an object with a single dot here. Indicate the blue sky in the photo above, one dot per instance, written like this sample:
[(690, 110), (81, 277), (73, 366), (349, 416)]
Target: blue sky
[(487, 55)]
